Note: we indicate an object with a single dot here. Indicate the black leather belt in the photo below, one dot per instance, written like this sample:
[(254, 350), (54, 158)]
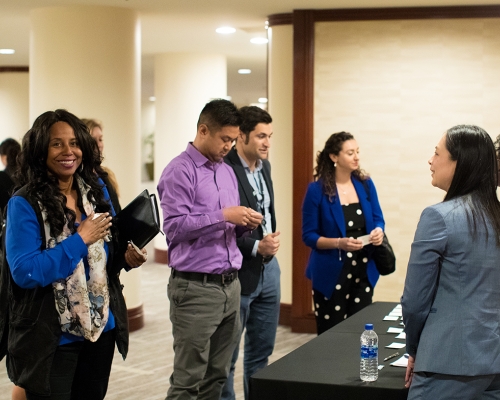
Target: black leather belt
[(266, 259), (220, 279)]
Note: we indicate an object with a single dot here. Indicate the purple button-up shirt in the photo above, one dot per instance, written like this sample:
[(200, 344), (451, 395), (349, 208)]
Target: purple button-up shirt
[(193, 191)]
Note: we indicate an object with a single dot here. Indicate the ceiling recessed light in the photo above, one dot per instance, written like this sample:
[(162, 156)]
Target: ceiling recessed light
[(244, 71), (258, 40), (152, 98), (225, 30), (7, 51), (262, 99)]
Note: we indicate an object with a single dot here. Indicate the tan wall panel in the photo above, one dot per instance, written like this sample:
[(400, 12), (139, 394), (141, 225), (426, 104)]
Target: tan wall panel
[(14, 105), (397, 86), (86, 59), (281, 152)]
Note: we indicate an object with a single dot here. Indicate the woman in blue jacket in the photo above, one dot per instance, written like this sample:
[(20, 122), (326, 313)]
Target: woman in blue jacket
[(66, 308), (340, 206)]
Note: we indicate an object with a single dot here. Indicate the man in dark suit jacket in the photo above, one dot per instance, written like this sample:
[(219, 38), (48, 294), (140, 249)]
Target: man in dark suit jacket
[(260, 274)]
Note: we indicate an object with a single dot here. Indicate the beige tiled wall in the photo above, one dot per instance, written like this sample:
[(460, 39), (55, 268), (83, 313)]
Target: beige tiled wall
[(397, 86)]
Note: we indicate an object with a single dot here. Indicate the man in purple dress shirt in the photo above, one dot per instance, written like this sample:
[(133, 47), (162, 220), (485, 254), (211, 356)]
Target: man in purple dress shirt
[(202, 218)]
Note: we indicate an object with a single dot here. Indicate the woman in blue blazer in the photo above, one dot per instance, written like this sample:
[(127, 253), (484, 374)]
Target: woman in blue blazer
[(451, 298), (340, 206)]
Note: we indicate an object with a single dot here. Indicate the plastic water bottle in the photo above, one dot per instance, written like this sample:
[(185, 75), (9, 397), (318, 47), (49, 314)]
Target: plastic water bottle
[(368, 369)]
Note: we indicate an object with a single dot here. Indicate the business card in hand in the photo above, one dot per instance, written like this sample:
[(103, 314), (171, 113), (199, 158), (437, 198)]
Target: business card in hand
[(365, 239)]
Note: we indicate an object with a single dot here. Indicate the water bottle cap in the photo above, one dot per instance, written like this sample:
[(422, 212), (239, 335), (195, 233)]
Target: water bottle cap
[(368, 327)]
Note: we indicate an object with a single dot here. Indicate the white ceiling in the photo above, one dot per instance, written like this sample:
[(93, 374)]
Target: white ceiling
[(189, 25)]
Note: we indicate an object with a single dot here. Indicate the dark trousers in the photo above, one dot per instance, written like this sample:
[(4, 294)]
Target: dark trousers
[(205, 326), (80, 371)]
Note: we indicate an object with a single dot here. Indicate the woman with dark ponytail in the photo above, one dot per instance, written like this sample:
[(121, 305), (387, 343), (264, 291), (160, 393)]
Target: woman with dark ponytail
[(340, 206)]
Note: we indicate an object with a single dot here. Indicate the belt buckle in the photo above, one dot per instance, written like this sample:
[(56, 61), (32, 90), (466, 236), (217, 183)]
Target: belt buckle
[(227, 278)]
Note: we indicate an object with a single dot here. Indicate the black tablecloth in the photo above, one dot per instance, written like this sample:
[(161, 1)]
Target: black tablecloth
[(327, 367)]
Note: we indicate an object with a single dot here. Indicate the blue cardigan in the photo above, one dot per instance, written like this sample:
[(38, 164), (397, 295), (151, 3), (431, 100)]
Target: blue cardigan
[(320, 217)]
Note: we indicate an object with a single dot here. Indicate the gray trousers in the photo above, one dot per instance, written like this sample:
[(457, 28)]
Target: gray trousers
[(205, 326), (431, 386)]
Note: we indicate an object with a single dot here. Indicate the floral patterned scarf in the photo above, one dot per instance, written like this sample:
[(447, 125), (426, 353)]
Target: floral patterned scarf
[(82, 305)]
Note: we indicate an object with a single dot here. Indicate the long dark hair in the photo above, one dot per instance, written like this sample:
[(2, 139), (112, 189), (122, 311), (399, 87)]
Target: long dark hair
[(476, 175), (325, 168), (44, 187)]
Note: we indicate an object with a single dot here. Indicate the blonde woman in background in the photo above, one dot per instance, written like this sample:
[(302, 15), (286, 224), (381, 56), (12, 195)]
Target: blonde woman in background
[(95, 129)]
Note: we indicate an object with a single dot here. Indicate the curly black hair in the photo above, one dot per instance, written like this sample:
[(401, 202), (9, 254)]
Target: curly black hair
[(325, 168), (42, 186)]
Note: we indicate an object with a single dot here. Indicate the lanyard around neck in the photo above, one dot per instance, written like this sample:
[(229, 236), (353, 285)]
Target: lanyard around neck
[(259, 197)]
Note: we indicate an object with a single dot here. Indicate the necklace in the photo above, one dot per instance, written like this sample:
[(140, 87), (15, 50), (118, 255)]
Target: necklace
[(341, 189)]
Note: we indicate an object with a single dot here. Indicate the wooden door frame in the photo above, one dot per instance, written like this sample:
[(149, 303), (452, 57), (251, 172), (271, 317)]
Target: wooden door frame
[(299, 314)]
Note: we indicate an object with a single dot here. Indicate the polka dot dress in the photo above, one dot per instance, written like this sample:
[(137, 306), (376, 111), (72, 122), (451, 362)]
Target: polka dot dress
[(353, 290)]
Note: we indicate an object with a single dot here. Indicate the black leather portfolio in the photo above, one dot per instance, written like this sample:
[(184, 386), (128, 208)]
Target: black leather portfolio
[(138, 221)]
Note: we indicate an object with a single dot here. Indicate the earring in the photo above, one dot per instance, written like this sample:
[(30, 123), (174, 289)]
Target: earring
[(335, 164), (81, 167)]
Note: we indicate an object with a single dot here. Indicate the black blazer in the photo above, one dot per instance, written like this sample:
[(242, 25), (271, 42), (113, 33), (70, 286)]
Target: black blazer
[(252, 266)]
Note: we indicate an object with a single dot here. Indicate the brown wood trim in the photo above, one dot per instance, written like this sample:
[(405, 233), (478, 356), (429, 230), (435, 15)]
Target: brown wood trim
[(402, 13), (303, 112), (301, 316), (135, 318), (285, 314), (388, 13), (280, 19), (161, 256), (304, 324), (14, 69)]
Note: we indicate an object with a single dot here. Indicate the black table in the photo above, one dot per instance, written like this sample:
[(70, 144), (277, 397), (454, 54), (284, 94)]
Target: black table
[(327, 367)]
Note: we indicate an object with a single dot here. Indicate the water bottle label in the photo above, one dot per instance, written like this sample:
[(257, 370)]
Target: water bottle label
[(369, 352)]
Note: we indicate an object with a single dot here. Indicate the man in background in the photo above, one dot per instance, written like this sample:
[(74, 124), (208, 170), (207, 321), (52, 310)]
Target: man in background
[(202, 218), (260, 272)]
